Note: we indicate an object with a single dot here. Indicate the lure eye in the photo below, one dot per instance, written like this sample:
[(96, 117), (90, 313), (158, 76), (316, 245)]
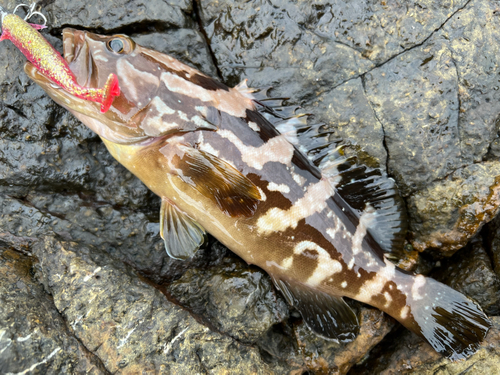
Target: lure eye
[(116, 45)]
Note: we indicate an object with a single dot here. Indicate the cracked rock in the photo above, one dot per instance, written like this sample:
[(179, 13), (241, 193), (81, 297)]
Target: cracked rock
[(34, 338), (327, 357), (413, 356), (116, 15), (480, 281), (446, 214), (236, 299), (128, 323), (493, 243), (412, 87)]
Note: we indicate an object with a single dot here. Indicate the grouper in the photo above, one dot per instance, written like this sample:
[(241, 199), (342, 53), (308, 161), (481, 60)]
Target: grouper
[(278, 192)]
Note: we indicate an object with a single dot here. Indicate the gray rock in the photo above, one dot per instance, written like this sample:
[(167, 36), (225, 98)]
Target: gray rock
[(446, 214), (493, 243), (128, 323), (34, 337), (438, 102), (235, 298), (479, 282), (412, 87), (322, 356), (113, 16), (413, 356)]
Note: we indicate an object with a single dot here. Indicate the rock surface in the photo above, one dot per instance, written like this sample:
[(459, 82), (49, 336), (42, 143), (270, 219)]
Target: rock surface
[(412, 87), (34, 338), (413, 356)]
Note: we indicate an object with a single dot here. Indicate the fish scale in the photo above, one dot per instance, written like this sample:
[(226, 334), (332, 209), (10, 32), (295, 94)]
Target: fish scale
[(289, 202)]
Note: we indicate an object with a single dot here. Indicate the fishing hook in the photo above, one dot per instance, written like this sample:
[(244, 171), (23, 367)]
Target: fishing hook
[(31, 12)]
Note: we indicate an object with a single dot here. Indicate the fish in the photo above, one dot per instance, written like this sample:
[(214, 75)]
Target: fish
[(41, 53), (275, 190)]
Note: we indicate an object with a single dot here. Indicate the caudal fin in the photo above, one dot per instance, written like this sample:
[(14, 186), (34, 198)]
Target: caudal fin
[(453, 324), (111, 89)]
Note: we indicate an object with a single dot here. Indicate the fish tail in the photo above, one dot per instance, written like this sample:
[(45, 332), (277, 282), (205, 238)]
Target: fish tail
[(452, 324), (110, 90)]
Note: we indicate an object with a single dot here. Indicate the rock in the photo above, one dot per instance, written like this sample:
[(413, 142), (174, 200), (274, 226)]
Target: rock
[(34, 337), (493, 243), (306, 48), (236, 299), (128, 323), (446, 214), (479, 282), (347, 111), (327, 357), (413, 356), (412, 87), (434, 100), (114, 16)]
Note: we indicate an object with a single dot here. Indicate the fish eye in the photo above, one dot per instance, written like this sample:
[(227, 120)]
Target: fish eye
[(116, 45), (120, 44)]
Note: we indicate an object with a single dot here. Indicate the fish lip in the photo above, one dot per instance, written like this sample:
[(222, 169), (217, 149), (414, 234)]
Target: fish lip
[(73, 41), (32, 71)]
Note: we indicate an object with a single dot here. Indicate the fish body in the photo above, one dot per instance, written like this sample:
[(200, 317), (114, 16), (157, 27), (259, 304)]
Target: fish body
[(319, 229), (40, 53)]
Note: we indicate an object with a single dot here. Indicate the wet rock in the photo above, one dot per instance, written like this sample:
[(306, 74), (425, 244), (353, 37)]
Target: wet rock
[(438, 102), (128, 323), (34, 338), (347, 111), (413, 356), (327, 357), (304, 48), (479, 282), (238, 300), (446, 214), (119, 14), (493, 243), (123, 233)]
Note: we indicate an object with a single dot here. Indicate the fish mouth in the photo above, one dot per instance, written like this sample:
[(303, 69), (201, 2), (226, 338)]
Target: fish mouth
[(58, 93), (74, 44), (73, 40)]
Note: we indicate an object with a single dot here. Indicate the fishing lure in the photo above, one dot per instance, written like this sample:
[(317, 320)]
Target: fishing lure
[(49, 62)]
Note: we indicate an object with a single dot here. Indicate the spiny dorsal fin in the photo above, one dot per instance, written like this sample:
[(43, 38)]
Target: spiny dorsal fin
[(326, 315), (358, 185), (182, 235), (362, 187), (234, 193)]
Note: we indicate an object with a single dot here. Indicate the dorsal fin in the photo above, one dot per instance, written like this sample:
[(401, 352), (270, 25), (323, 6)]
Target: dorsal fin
[(358, 185), (362, 186)]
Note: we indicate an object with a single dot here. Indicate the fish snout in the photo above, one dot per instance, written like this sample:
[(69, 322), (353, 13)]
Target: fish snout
[(73, 41)]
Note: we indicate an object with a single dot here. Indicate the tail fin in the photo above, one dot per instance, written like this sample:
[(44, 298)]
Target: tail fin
[(451, 323), (111, 89)]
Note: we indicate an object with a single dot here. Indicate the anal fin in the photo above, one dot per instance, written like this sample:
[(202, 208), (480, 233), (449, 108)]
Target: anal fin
[(182, 235), (326, 315)]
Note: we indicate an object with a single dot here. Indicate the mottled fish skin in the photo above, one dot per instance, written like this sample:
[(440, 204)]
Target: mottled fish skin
[(299, 230)]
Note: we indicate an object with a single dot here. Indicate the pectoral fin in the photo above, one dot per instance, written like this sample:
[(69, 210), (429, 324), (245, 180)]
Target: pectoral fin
[(234, 193), (182, 235), (328, 316)]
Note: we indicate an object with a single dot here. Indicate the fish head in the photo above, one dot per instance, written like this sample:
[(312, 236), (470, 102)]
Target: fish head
[(92, 58)]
